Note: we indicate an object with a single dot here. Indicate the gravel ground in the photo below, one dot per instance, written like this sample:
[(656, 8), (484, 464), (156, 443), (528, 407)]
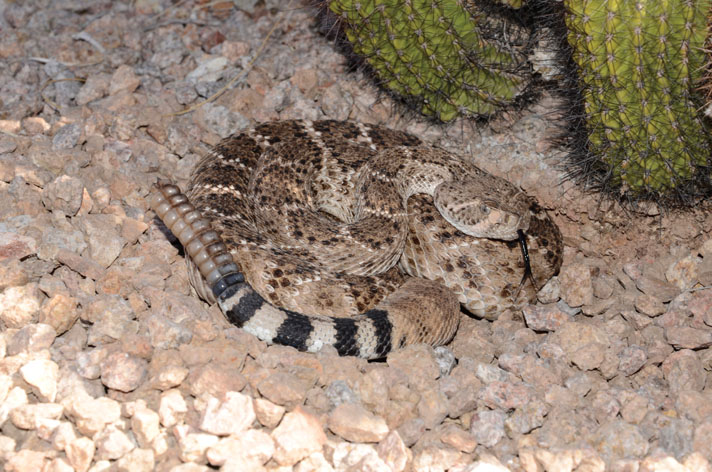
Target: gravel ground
[(107, 362)]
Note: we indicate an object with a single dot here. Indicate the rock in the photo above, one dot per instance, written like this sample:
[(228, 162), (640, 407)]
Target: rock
[(697, 462), (526, 418), (60, 312), (145, 424), (27, 416), (19, 306), (544, 317), (505, 395), (685, 337), (649, 305), (393, 451), (215, 379), (585, 345), (124, 79), (632, 359), (694, 405), (268, 414), (619, 439), (93, 414), (55, 240), (122, 371), (193, 446), (702, 439), (436, 457), (683, 371), (31, 338), (65, 194), (458, 438), (137, 460), (102, 233), (487, 427), (676, 437), (80, 453), (16, 246), (42, 375), (112, 443), (62, 435), (576, 286), (347, 456), (169, 377), (25, 460), (417, 361), (432, 407), (683, 273), (284, 389), (654, 287), (166, 334), (252, 446), (356, 424), (298, 435), (172, 408), (208, 71), (95, 87), (232, 416), (60, 465), (15, 398), (66, 137)]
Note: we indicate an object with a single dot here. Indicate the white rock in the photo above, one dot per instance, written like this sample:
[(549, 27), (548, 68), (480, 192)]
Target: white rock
[(194, 445), (145, 425), (63, 435), (208, 70), (232, 416), (360, 456), (7, 447), (254, 446), (297, 436), (80, 453), (42, 375), (60, 465), (172, 408), (46, 427), (92, 414), (19, 305), (15, 398), (5, 386), (112, 443), (138, 460)]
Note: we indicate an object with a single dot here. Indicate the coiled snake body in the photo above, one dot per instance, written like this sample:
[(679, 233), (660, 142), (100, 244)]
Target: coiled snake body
[(312, 233)]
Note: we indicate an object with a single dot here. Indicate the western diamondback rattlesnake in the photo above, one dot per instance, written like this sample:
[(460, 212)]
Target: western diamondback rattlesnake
[(342, 233)]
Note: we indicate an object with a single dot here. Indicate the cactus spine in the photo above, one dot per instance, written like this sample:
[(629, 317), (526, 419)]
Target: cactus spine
[(448, 57), (638, 64)]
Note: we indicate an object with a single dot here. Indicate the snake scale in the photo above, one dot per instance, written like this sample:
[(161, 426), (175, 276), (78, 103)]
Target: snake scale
[(357, 236)]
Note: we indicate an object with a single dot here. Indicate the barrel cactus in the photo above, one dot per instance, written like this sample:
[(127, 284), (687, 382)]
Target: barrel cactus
[(639, 65), (448, 57)]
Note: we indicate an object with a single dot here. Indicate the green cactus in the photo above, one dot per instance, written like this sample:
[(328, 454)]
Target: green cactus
[(449, 58), (639, 63)]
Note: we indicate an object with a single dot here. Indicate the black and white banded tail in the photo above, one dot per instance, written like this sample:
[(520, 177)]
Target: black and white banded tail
[(369, 335)]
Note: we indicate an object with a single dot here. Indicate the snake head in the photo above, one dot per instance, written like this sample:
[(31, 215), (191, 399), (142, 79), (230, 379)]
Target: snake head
[(483, 214)]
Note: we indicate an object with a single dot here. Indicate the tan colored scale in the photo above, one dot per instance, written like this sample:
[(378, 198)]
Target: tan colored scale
[(329, 218)]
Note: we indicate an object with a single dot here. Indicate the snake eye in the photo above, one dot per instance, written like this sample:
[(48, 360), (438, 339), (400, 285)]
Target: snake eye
[(485, 209)]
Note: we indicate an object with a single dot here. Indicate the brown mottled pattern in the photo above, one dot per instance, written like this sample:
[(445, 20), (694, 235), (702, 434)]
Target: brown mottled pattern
[(318, 214)]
